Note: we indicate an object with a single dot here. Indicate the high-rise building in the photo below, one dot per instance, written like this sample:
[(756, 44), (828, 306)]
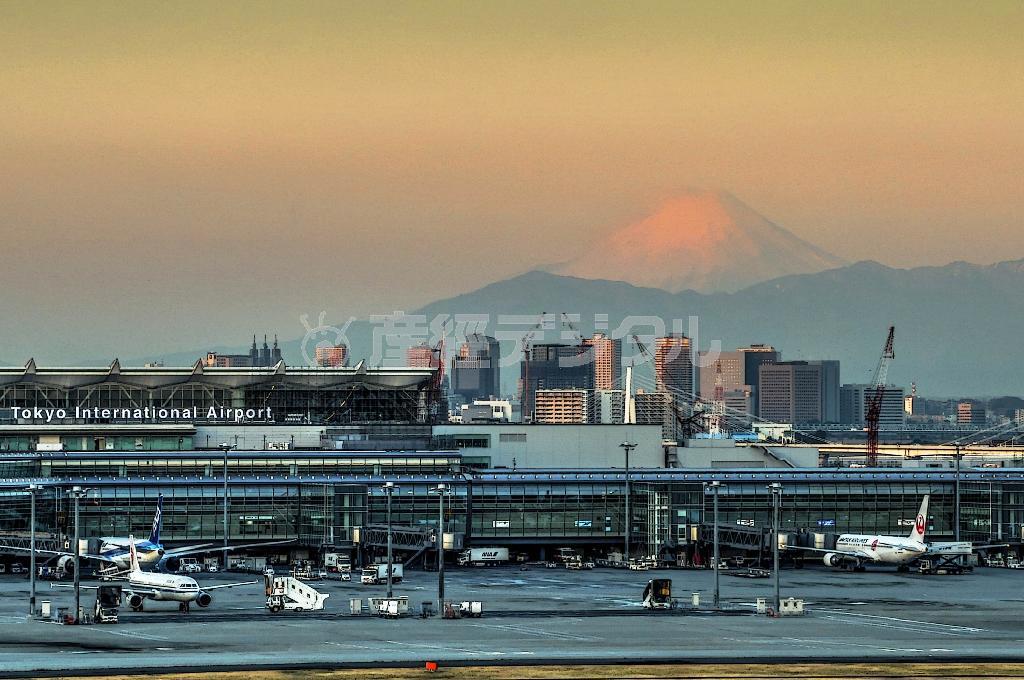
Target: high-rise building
[(554, 366), (334, 356), (829, 389), (738, 401), (476, 371), (854, 402), (607, 360), (753, 357), (1019, 416), (562, 406), (421, 356), (969, 413), (731, 366), (790, 392), (673, 365), (655, 408), (609, 406)]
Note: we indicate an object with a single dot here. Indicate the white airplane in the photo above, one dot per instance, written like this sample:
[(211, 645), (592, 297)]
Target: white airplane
[(113, 550), (143, 585), (858, 549)]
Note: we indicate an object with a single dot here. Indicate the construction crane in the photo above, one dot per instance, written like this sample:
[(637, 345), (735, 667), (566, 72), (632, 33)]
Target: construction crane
[(876, 396)]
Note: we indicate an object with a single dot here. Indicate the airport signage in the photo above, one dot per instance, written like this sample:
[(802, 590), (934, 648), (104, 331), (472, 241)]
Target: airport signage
[(145, 414), (745, 522), (826, 522), (584, 523), (501, 524)]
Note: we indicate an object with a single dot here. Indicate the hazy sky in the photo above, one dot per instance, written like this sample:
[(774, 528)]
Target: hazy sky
[(161, 160)]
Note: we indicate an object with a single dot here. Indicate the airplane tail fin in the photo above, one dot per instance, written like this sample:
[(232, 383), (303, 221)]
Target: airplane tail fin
[(920, 522), (154, 535), (134, 556)]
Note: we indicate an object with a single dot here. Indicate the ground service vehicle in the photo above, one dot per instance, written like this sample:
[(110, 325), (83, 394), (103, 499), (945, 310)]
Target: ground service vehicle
[(108, 601), (658, 594), (337, 562), (285, 592), (479, 557), (378, 573)]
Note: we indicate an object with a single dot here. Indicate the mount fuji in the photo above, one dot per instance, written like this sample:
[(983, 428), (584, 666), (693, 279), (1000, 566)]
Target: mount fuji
[(705, 241)]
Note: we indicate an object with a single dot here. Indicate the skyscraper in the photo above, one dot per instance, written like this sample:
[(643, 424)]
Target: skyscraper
[(421, 356), (790, 392), (476, 369), (829, 389), (607, 360), (332, 356), (753, 357), (554, 366), (673, 365), (733, 372), (854, 401)]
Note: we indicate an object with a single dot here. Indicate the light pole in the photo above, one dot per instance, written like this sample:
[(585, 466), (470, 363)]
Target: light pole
[(77, 492), (32, 488), (441, 491), (389, 488), (627, 447), (776, 489), (715, 486), (225, 447), (956, 499)]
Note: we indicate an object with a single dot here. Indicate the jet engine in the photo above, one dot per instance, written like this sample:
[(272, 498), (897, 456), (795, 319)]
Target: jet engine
[(204, 599), (832, 559), (135, 601), (66, 564)]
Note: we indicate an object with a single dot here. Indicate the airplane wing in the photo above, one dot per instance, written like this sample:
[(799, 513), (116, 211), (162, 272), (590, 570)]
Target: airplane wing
[(213, 547), (228, 585), (843, 553), (61, 553)]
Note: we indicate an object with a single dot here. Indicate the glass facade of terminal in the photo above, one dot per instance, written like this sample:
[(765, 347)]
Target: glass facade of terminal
[(321, 499)]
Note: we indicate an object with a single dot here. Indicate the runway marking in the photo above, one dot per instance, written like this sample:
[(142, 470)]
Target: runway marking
[(537, 632), (891, 626), (964, 629), (854, 644), (455, 649), (348, 644), (133, 634)]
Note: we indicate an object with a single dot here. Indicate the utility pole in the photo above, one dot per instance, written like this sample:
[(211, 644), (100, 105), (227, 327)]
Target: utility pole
[(389, 488), (776, 489), (32, 488), (225, 447), (715, 486), (77, 492), (956, 499), (627, 447), (441, 491)]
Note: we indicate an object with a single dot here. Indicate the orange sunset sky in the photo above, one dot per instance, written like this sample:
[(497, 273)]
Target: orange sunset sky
[(358, 157)]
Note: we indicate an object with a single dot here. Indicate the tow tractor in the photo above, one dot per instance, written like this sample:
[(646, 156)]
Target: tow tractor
[(658, 594), (108, 601)]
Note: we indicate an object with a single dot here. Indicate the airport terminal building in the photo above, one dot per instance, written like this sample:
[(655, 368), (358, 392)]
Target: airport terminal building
[(313, 472)]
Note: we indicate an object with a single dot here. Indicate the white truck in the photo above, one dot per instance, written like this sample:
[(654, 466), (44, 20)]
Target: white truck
[(338, 562), (287, 593), (480, 557), (376, 574)]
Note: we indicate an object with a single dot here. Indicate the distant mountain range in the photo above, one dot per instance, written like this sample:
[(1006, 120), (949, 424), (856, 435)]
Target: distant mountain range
[(959, 327), (707, 241)]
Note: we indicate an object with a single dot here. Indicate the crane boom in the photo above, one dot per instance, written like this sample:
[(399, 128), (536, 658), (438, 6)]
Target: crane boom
[(877, 396)]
